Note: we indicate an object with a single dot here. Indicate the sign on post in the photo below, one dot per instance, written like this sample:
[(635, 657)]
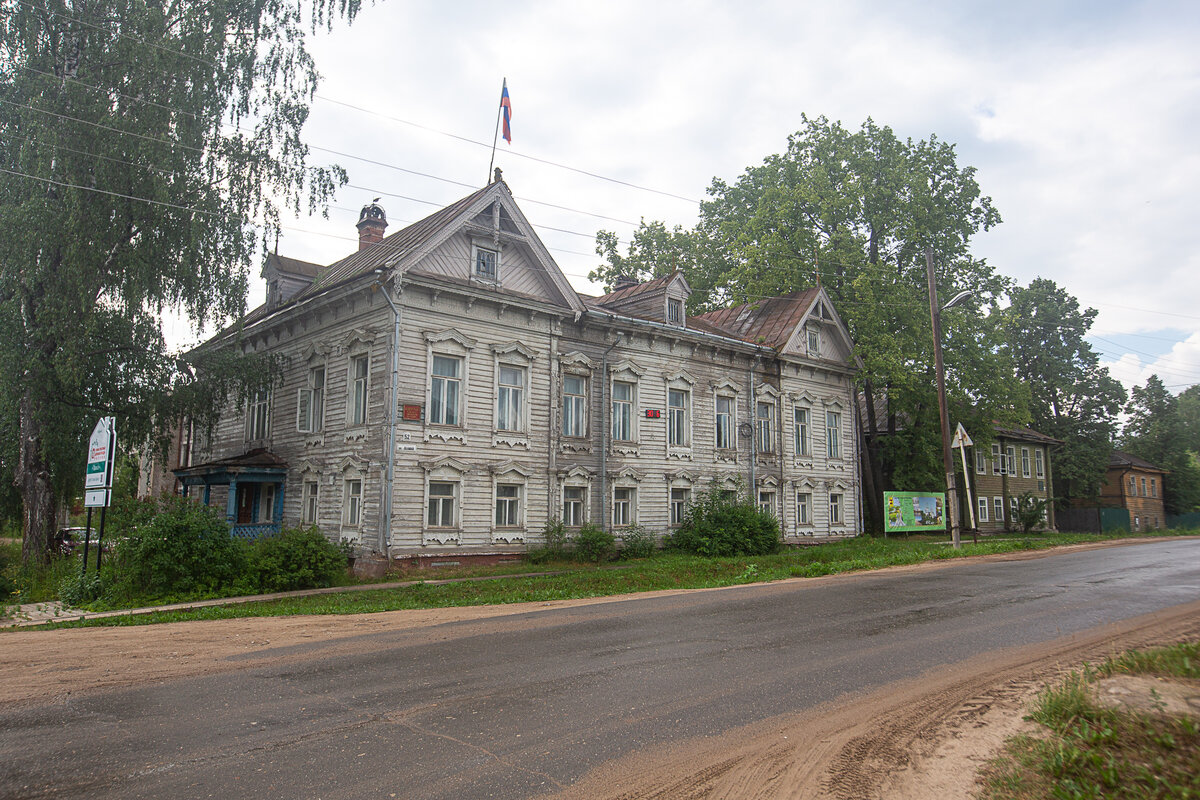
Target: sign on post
[(102, 447)]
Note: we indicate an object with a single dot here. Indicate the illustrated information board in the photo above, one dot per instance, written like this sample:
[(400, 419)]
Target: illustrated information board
[(915, 511)]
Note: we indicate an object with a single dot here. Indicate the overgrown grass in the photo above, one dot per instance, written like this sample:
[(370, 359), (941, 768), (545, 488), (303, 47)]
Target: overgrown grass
[(572, 580), (1087, 751)]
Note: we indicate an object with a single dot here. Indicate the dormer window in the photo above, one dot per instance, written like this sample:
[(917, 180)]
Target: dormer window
[(674, 311), (814, 342), (486, 263)]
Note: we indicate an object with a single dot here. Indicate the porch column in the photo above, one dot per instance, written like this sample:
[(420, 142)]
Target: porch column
[(231, 502), (277, 512)]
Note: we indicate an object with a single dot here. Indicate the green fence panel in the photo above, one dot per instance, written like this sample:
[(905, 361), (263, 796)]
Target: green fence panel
[(1114, 519), (1191, 520)]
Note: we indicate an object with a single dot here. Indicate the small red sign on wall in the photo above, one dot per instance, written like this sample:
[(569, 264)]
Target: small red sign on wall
[(411, 413), (653, 413)]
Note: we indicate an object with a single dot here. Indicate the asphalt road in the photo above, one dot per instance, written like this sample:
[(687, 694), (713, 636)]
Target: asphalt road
[(516, 706)]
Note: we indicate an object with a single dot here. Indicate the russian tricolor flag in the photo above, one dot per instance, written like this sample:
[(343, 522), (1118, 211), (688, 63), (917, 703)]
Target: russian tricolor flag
[(506, 108)]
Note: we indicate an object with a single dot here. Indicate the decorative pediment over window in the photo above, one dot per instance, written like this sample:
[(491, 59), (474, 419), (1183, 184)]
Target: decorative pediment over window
[(806, 483), (359, 337), (510, 467), (448, 339), (729, 481), (681, 377), (769, 480), (764, 390), (310, 467), (833, 403), (575, 473), (627, 367), (354, 464), (725, 386), (445, 467), (838, 483), (514, 349), (315, 352), (576, 362), (681, 477), (803, 398), (627, 475)]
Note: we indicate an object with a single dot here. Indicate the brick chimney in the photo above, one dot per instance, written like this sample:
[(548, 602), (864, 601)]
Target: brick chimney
[(372, 222)]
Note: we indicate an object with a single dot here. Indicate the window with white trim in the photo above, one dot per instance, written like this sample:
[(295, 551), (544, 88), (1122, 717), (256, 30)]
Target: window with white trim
[(679, 402), (442, 506), (724, 423), (258, 415), (266, 502), (674, 311), (766, 501), (352, 493), (445, 390), (1143, 487), (998, 508), (1012, 509), (765, 426), (833, 434), (508, 505), (310, 405), (574, 405), (357, 401), (487, 263), (623, 506), (997, 460), (983, 509), (679, 503), (800, 431), (1132, 486), (622, 411), (1025, 462), (980, 462), (814, 342), (574, 503), (510, 397), (1039, 463), (1011, 454), (835, 509), (1154, 489), (803, 508), (308, 512)]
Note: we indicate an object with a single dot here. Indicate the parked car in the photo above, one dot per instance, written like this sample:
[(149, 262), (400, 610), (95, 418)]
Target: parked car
[(70, 540)]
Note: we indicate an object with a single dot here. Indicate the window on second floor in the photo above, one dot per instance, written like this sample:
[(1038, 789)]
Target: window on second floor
[(801, 431), (358, 389), (1154, 487), (1039, 463), (510, 396), (486, 263), (445, 391), (724, 428), (678, 422), (622, 411), (1024, 462), (258, 415), (833, 434), (765, 427), (675, 311), (574, 405), (1143, 487), (1011, 460), (980, 462), (310, 413), (1132, 486), (997, 460)]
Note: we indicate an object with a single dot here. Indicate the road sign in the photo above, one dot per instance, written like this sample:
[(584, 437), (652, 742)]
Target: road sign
[(960, 437), (97, 498), (102, 452)]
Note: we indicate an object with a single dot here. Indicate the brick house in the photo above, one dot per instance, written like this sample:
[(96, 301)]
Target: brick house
[(1135, 485)]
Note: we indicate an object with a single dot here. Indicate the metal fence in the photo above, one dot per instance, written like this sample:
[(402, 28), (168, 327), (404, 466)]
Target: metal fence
[(1092, 520)]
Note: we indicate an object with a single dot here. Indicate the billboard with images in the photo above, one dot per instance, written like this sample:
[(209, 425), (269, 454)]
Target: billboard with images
[(914, 511)]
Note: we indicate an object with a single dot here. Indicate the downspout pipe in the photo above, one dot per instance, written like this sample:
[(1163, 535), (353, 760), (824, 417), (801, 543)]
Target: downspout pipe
[(385, 526), (605, 433), (753, 436)]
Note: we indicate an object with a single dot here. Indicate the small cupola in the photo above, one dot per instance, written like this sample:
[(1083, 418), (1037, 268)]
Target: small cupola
[(372, 222)]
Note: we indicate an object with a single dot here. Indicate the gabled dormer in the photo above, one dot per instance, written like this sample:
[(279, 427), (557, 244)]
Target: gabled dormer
[(286, 277), (662, 299)]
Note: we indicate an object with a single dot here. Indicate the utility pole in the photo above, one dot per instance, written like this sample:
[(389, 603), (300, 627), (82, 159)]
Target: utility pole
[(944, 417)]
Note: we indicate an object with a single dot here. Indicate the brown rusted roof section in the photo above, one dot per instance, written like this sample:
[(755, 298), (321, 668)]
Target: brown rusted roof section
[(1121, 459), (258, 458), (628, 292), (769, 322)]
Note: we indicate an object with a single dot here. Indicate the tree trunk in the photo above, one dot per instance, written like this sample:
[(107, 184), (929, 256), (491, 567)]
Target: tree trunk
[(870, 465), (32, 480)]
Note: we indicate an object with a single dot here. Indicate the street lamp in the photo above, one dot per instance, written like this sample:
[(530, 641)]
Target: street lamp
[(947, 461)]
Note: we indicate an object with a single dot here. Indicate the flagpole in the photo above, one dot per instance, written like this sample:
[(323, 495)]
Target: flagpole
[(496, 135)]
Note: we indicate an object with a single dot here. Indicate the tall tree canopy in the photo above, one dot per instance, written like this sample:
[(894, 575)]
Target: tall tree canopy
[(1155, 431), (147, 148), (857, 210), (1073, 398)]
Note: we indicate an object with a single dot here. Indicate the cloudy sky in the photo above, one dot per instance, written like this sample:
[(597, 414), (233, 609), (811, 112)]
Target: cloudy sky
[(1081, 118)]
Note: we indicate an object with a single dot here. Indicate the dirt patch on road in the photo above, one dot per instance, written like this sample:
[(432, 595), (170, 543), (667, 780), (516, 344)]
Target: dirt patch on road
[(912, 740)]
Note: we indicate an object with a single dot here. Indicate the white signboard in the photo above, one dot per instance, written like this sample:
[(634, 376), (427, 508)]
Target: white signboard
[(101, 453), (97, 498)]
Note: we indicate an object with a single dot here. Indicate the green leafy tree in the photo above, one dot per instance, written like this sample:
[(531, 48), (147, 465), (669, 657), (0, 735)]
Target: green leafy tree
[(1189, 412), (653, 252), (148, 149), (856, 211), (1073, 398), (1155, 432)]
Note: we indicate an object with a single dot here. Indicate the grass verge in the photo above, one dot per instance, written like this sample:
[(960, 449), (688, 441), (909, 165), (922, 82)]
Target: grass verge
[(1088, 751), (572, 580)]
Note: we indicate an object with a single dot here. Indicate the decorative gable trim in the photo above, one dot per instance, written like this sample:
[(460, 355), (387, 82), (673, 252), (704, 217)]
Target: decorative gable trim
[(724, 385), (449, 335), (576, 362), (353, 464), (510, 467), (514, 347), (445, 464), (363, 336), (626, 366)]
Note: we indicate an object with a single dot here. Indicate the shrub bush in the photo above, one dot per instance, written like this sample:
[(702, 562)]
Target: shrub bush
[(185, 549), (595, 545), (295, 558), (719, 523), (554, 547), (79, 589), (637, 542)]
